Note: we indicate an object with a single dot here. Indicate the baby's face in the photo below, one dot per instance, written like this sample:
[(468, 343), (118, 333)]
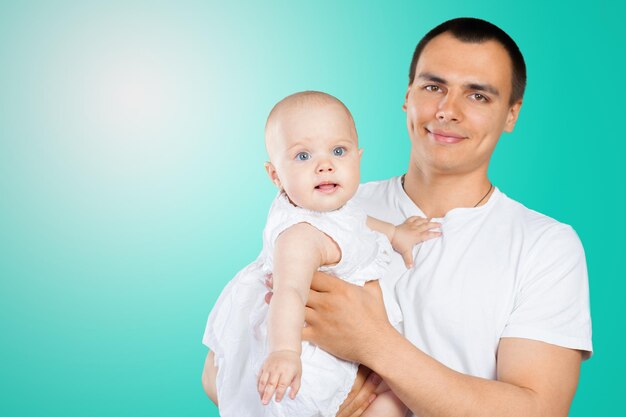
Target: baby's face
[(314, 156)]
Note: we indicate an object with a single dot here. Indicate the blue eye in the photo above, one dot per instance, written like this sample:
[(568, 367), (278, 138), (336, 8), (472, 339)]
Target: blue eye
[(339, 151), (303, 156)]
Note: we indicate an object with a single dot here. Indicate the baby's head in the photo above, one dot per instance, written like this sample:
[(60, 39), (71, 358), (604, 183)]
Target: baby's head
[(313, 148)]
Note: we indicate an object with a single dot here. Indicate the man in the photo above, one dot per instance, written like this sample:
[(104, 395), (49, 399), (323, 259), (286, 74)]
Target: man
[(496, 310)]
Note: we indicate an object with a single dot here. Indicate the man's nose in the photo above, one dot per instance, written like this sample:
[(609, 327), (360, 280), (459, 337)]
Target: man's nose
[(449, 109)]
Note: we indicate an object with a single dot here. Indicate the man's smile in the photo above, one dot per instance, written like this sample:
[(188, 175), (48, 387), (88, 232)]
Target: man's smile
[(445, 136)]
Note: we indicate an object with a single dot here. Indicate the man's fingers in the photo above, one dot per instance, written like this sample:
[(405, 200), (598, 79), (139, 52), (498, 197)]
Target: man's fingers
[(374, 288), (363, 397), (322, 282), (310, 315), (313, 299), (364, 406), (307, 334)]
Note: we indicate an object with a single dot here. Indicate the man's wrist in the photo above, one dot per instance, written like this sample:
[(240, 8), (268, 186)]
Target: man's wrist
[(374, 354)]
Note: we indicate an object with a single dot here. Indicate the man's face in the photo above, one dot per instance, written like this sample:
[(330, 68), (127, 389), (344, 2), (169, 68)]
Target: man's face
[(458, 105), (315, 156)]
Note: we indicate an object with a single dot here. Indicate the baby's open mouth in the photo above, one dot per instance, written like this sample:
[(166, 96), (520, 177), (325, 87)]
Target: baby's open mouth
[(326, 186)]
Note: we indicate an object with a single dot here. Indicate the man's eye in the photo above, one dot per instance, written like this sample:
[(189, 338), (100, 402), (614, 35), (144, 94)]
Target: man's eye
[(303, 156), (432, 88), (339, 151), (479, 97)]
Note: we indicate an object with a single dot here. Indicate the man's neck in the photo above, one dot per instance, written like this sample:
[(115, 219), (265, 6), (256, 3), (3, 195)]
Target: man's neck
[(437, 194)]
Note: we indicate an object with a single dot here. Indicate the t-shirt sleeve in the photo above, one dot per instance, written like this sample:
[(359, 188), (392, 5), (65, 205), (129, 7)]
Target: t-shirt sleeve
[(552, 303)]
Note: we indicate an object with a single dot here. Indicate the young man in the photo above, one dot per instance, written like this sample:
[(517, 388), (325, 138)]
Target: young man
[(496, 310)]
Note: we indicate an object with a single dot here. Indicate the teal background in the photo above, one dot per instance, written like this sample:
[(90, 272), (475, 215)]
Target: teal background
[(132, 185)]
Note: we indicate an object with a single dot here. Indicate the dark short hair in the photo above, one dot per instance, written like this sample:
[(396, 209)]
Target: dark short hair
[(472, 30)]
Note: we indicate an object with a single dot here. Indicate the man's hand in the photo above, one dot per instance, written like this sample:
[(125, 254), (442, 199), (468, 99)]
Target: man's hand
[(414, 230), (357, 314), (281, 370), (361, 395)]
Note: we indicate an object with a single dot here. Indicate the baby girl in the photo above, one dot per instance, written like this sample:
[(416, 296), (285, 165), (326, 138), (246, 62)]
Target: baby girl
[(259, 356)]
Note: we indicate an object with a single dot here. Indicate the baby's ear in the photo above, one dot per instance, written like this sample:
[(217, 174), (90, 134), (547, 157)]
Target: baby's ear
[(271, 172)]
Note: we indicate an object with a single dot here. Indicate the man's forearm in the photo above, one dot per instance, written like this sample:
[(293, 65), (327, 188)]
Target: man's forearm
[(431, 389), (534, 378)]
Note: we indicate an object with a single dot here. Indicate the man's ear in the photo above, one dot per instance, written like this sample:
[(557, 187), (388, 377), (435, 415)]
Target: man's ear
[(360, 152), (406, 98), (511, 117), (271, 172)]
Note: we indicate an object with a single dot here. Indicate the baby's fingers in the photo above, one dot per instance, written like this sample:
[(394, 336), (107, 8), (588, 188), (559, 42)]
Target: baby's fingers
[(416, 219), (262, 382), (268, 391), (428, 235), (407, 257), (280, 390), (426, 226), (294, 387)]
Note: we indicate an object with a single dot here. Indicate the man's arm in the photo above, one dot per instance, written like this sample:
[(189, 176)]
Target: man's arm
[(534, 378)]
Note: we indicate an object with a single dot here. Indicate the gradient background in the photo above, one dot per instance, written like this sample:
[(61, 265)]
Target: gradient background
[(132, 185)]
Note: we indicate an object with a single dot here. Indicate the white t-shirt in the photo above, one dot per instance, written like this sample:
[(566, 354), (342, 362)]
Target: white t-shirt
[(498, 270)]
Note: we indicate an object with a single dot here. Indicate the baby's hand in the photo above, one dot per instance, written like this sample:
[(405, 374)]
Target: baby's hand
[(414, 230), (280, 370)]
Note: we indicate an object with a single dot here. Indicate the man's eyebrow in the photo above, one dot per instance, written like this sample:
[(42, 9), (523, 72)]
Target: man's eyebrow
[(487, 88), (432, 77)]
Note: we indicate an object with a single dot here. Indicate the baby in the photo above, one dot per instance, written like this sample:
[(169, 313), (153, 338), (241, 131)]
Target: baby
[(312, 225)]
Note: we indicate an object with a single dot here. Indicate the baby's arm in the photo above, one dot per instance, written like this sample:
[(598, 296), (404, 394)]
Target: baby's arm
[(403, 237), (300, 251)]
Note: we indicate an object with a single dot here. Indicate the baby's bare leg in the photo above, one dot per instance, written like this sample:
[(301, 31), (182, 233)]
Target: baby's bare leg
[(386, 404), (209, 373)]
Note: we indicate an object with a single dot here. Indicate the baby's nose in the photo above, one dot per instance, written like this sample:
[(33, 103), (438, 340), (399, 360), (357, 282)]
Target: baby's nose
[(325, 166)]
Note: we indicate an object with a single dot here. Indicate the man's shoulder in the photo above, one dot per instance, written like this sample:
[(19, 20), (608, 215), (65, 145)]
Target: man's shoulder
[(535, 224), (376, 189), (381, 199)]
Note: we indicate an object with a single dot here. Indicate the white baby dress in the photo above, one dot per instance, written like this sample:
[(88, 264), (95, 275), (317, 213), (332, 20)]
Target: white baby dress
[(236, 330)]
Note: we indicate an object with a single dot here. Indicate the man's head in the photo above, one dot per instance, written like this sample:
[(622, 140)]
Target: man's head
[(461, 97), (473, 30), (313, 148)]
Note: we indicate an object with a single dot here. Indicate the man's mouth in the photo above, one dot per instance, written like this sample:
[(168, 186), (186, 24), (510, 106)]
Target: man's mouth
[(445, 136), (327, 187)]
